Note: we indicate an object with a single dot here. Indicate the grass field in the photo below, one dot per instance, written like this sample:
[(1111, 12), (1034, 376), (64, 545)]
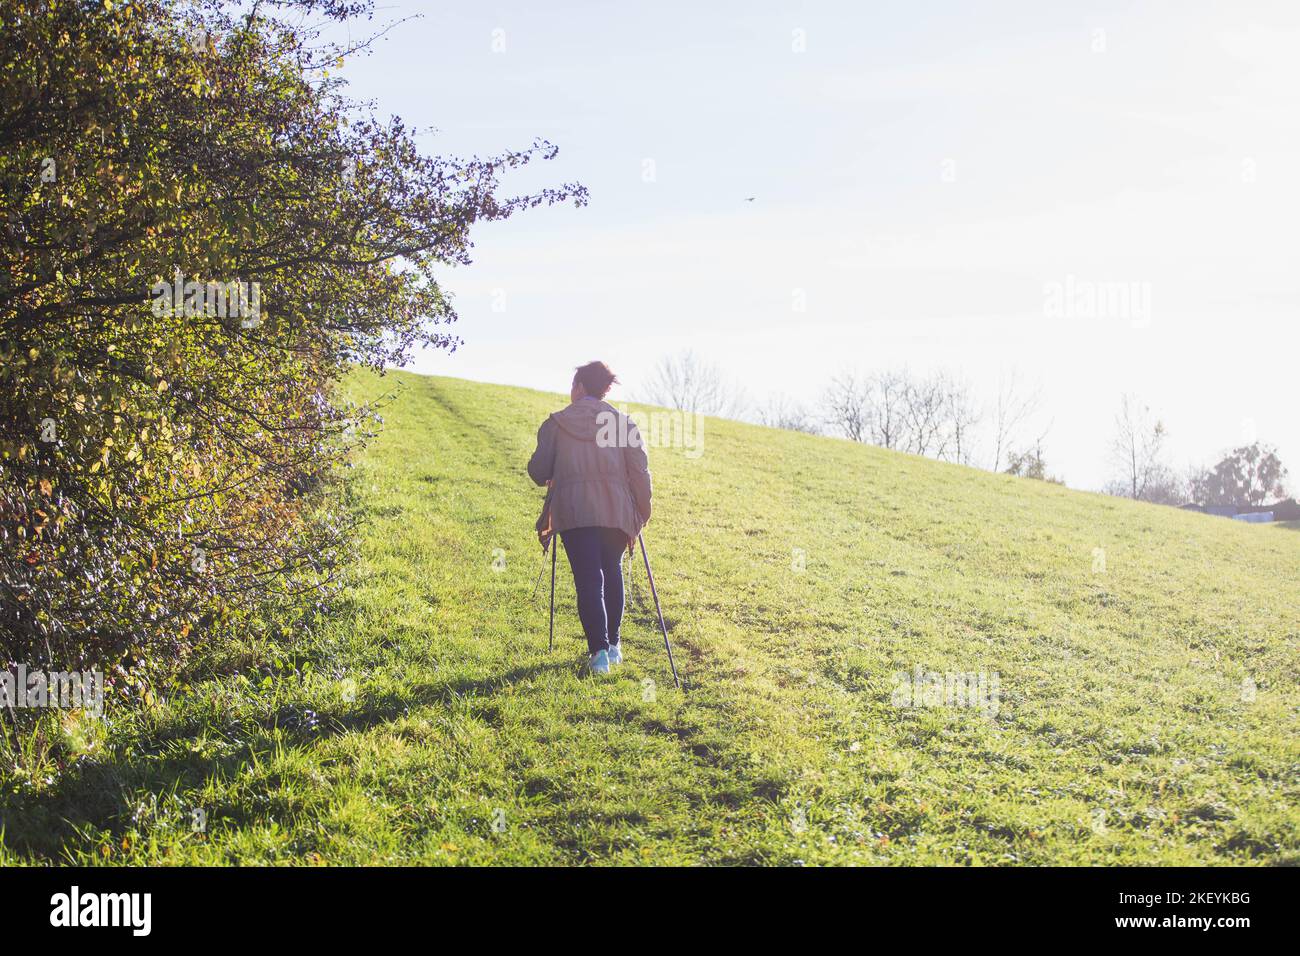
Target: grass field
[(1145, 662)]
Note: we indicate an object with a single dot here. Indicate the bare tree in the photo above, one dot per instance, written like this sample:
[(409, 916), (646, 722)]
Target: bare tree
[(1014, 405), (888, 419), (848, 406), (963, 414), (783, 412), (1136, 448), (924, 404), (1164, 487), (688, 383), (935, 415), (1167, 487)]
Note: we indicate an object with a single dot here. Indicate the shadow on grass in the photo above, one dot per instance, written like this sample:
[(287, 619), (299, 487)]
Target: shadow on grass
[(134, 787)]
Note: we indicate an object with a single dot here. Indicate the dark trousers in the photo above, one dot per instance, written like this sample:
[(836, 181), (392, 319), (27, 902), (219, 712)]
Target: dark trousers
[(594, 555)]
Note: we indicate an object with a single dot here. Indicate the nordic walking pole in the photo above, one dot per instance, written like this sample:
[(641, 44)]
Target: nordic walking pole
[(662, 626), (551, 645)]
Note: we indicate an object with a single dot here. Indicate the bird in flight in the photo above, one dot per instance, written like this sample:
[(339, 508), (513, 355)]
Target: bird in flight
[(749, 199)]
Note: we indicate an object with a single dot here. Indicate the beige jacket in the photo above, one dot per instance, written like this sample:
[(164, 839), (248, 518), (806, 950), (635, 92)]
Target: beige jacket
[(599, 473)]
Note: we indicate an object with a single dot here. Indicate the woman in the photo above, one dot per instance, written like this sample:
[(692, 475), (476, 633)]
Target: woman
[(599, 499)]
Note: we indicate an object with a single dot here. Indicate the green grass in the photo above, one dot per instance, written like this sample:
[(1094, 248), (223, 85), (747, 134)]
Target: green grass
[(1124, 731)]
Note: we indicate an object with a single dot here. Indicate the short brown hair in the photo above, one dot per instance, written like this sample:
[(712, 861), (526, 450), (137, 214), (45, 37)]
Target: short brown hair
[(595, 378)]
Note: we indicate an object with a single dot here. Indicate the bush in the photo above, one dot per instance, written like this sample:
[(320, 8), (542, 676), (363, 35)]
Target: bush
[(200, 236)]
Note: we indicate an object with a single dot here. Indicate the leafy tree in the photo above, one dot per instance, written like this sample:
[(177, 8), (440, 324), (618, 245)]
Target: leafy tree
[(1248, 475), (200, 235), (1030, 464)]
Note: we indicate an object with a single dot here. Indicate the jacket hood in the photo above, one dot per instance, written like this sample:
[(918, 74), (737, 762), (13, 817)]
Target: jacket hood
[(582, 420)]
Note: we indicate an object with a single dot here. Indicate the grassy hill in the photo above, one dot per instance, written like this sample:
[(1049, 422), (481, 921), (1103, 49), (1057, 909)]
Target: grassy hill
[(1146, 709)]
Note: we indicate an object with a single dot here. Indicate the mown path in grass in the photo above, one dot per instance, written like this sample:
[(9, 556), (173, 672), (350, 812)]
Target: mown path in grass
[(1145, 663)]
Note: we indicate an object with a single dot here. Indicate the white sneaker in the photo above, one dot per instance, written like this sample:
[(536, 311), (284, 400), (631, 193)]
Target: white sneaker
[(616, 653), (599, 663)]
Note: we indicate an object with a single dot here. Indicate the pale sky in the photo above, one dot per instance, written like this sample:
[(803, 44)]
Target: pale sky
[(923, 174)]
